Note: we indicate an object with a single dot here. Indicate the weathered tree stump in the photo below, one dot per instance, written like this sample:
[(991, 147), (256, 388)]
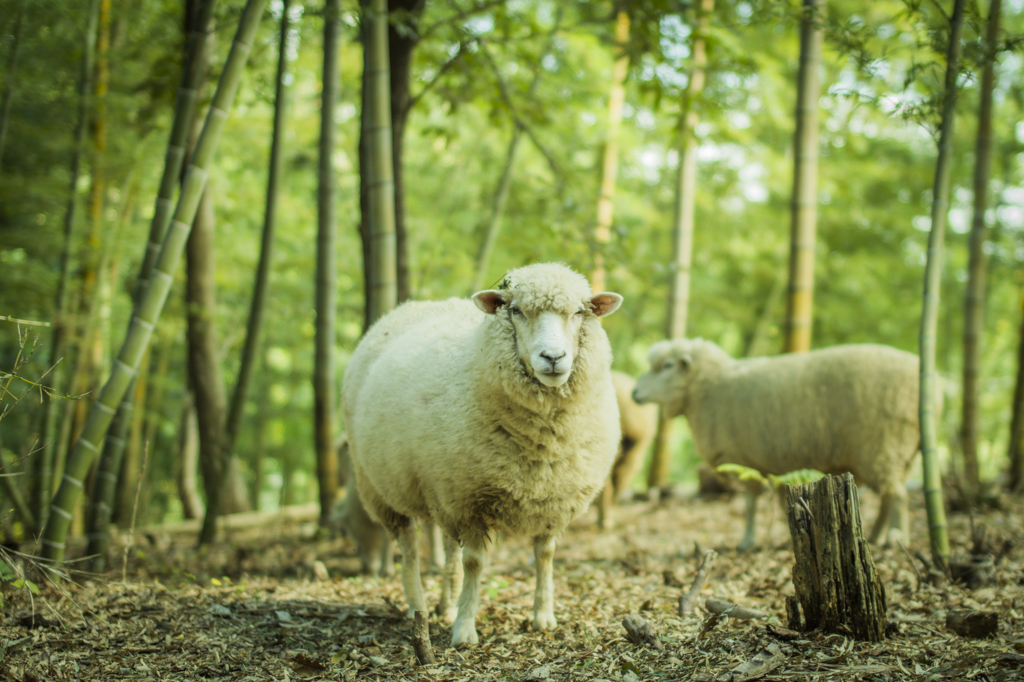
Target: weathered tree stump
[(834, 574)]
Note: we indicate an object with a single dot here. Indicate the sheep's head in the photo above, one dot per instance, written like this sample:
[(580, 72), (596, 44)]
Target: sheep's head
[(668, 379), (547, 304)]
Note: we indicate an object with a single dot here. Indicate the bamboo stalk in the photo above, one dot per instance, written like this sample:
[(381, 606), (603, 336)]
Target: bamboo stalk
[(382, 184), (324, 367), (50, 448), (804, 202), (152, 302), (258, 304), (937, 529), (974, 300), (610, 160), (483, 256), (110, 461), (682, 230), (12, 67)]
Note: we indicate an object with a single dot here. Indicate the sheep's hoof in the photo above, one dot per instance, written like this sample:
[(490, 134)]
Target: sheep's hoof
[(464, 633), (544, 621), (446, 612), (746, 544)]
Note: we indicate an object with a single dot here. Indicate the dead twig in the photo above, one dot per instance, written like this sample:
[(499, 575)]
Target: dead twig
[(688, 601), (721, 607)]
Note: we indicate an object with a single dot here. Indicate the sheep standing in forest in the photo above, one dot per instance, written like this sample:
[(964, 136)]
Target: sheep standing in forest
[(841, 409), (495, 414), (639, 424)]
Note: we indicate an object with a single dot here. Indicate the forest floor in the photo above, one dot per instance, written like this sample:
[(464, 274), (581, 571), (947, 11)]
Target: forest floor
[(252, 608)]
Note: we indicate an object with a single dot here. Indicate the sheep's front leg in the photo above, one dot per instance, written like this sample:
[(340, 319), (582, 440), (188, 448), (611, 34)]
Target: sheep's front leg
[(407, 541), (544, 597), (451, 579), (474, 558)]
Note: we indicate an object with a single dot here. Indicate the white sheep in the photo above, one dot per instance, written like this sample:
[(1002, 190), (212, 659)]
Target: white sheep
[(375, 548), (639, 424), (842, 409), (495, 414)]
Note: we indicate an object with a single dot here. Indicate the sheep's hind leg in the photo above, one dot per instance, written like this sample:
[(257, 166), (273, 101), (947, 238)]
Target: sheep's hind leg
[(544, 597), (451, 579), (409, 544), (437, 551), (749, 534), (879, 530), (474, 557)]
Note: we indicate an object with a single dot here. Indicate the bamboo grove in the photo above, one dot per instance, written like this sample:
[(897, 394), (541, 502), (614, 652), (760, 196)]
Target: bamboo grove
[(770, 175)]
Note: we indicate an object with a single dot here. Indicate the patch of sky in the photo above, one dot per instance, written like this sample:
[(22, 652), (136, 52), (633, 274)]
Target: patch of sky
[(480, 24), (922, 223), (645, 119), (670, 75), (960, 220), (674, 34)]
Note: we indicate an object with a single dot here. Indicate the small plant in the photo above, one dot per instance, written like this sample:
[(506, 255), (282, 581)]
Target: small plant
[(797, 477)]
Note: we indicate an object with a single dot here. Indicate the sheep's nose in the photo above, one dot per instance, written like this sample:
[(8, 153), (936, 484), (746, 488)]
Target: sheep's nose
[(635, 398), (551, 357)]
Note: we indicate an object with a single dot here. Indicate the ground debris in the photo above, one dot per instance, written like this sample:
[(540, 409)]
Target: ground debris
[(973, 624), (276, 621)]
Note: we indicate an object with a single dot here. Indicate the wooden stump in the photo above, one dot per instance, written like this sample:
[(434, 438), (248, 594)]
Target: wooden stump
[(834, 573)]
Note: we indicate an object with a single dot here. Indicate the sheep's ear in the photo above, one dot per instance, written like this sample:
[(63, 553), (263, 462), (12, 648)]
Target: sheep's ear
[(489, 301), (605, 303)]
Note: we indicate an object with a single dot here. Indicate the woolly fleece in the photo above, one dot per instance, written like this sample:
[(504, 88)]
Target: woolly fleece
[(842, 409), (447, 422)]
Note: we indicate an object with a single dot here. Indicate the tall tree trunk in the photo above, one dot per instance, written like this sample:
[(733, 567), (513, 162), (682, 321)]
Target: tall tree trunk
[(111, 465), (86, 374), (46, 462), (938, 531), (1016, 447), (128, 478), (12, 67), (188, 461), (259, 450), (261, 284), (148, 311), (483, 256), (323, 371), (403, 37), (682, 232), (804, 210), (974, 303), (204, 365), (376, 81), (610, 158)]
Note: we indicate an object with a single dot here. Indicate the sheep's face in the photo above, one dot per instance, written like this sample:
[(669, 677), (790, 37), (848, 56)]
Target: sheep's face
[(666, 381), (546, 336)]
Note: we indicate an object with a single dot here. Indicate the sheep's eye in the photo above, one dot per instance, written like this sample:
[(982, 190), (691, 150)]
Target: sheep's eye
[(668, 365), (580, 311), (516, 311)]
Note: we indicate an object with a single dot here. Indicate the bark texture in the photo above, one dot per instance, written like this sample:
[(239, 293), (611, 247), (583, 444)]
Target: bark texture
[(834, 574), (323, 370)]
